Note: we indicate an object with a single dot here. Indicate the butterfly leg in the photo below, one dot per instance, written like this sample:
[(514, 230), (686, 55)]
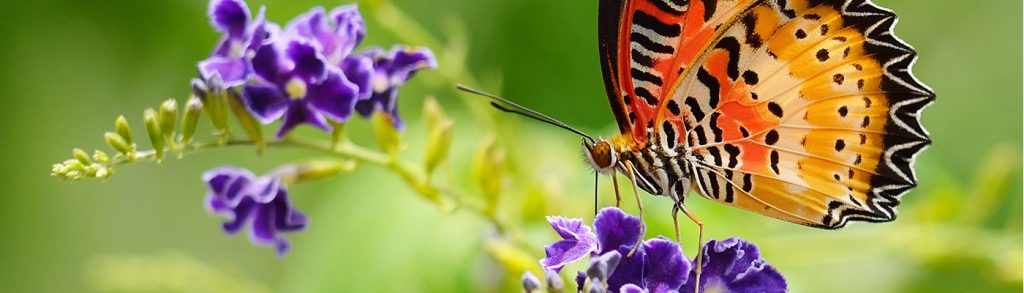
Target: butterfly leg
[(675, 220), (639, 204), (700, 239)]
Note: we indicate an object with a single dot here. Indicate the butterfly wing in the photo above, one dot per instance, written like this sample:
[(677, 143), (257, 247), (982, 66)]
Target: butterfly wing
[(645, 45), (805, 111)]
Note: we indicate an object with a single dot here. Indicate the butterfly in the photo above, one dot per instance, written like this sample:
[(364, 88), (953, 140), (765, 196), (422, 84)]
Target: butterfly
[(804, 111)]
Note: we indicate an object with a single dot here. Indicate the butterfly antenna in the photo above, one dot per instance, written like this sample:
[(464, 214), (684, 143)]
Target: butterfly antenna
[(511, 107)]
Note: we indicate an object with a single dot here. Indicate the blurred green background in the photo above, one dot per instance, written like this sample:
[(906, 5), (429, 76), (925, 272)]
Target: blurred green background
[(69, 67)]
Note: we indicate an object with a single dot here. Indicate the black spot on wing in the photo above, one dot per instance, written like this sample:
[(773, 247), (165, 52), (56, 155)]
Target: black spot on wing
[(711, 82), (732, 46)]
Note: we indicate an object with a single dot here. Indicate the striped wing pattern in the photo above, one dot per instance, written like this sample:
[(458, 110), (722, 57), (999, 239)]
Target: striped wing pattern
[(802, 110), (645, 45)]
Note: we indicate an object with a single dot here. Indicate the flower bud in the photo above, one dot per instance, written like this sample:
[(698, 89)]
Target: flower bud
[(530, 282), (81, 156), (100, 156), (121, 128), (388, 137), (155, 135), (554, 281), (489, 171), (169, 119), (433, 114), (596, 287), (249, 123), (190, 121), (214, 103), (612, 259), (597, 269), (313, 170), (439, 140), (117, 142)]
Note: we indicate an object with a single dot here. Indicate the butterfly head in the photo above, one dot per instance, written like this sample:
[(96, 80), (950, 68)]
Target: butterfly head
[(602, 156)]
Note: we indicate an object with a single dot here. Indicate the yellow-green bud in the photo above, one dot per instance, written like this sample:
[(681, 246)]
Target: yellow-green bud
[(314, 170), (121, 128), (439, 140), (433, 114), (82, 156), (249, 123), (155, 135), (388, 137), (439, 134), (117, 142), (489, 170), (190, 121), (100, 156), (168, 119)]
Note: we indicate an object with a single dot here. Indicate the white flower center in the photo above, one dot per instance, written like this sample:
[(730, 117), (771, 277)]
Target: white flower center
[(237, 49), (295, 88), (380, 82)]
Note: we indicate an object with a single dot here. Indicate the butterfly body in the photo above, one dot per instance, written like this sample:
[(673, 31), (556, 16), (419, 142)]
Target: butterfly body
[(803, 110)]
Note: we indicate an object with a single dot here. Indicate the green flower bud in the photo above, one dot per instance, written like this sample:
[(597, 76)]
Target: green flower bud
[(190, 121), (314, 170), (121, 128), (489, 171), (102, 172), (214, 103), (155, 135), (117, 142), (169, 119), (439, 140), (249, 123), (433, 114), (81, 156), (388, 137), (100, 156)]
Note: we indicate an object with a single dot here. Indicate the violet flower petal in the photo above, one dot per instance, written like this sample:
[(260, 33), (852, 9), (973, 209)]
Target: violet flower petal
[(266, 102), (299, 112), (335, 97), (359, 70), (231, 70), (735, 265), (230, 17), (309, 65), (631, 268), (615, 228), (267, 64), (666, 268), (631, 288), (578, 241)]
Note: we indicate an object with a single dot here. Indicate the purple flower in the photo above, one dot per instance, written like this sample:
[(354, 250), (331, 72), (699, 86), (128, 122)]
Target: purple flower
[(734, 265), (577, 242), (337, 36), (658, 264), (242, 36), (262, 202), (292, 80), (392, 69)]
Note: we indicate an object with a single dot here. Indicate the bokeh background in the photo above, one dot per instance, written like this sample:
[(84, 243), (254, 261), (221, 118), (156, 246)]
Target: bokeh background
[(68, 67)]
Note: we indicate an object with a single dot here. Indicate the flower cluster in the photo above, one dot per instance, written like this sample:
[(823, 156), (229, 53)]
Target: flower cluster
[(621, 262), (261, 202), (307, 72)]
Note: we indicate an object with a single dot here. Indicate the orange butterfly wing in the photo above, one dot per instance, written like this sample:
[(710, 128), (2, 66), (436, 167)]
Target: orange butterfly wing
[(645, 45), (802, 110), (815, 119)]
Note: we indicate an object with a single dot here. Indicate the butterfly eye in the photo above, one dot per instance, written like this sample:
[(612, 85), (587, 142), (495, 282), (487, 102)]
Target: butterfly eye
[(601, 155)]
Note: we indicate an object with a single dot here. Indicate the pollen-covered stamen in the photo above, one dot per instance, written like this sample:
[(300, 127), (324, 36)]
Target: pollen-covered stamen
[(296, 88)]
